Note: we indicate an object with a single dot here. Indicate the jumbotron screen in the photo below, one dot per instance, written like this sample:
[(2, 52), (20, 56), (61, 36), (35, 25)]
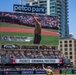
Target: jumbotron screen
[(20, 28)]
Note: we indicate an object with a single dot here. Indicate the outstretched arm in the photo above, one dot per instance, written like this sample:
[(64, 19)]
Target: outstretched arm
[(36, 21), (44, 67)]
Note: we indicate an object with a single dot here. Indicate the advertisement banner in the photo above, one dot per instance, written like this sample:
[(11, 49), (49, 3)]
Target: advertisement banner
[(27, 72), (11, 72), (4, 60), (40, 72), (0, 72), (38, 61), (67, 61), (67, 72), (32, 9), (56, 71), (74, 71)]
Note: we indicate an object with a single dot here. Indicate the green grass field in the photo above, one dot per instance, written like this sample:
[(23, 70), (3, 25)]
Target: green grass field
[(46, 39)]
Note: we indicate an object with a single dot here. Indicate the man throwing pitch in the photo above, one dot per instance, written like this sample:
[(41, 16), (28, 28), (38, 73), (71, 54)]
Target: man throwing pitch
[(48, 70), (37, 31)]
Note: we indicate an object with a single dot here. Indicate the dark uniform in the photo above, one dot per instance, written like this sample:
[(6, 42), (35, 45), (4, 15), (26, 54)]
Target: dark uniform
[(37, 38), (37, 34)]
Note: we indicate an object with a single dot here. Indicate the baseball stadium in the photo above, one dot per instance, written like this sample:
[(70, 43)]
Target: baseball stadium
[(29, 45)]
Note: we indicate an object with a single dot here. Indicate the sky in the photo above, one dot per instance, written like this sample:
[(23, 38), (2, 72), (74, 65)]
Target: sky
[(7, 5)]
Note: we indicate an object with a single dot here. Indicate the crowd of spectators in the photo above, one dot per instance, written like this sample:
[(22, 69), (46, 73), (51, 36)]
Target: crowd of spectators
[(26, 19), (29, 55), (9, 52), (35, 67)]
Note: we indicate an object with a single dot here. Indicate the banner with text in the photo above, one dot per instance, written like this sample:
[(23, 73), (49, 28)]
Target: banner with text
[(0, 72), (74, 71), (38, 60), (32, 9), (11, 72), (27, 72), (67, 71)]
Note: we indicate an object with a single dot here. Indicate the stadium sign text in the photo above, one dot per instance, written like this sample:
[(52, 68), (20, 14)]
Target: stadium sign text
[(38, 60), (32, 9)]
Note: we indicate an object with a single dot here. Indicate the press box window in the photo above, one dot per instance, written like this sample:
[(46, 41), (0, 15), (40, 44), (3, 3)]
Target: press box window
[(70, 41), (66, 49), (66, 53), (70, 45), (66, 45), (70, 53), (70, 57), (60, 45), (60, 41), (61, 49), (65, 41), (70, 49), (75, 53)]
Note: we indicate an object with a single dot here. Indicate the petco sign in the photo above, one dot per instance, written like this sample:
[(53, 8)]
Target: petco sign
[(32, 9)]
